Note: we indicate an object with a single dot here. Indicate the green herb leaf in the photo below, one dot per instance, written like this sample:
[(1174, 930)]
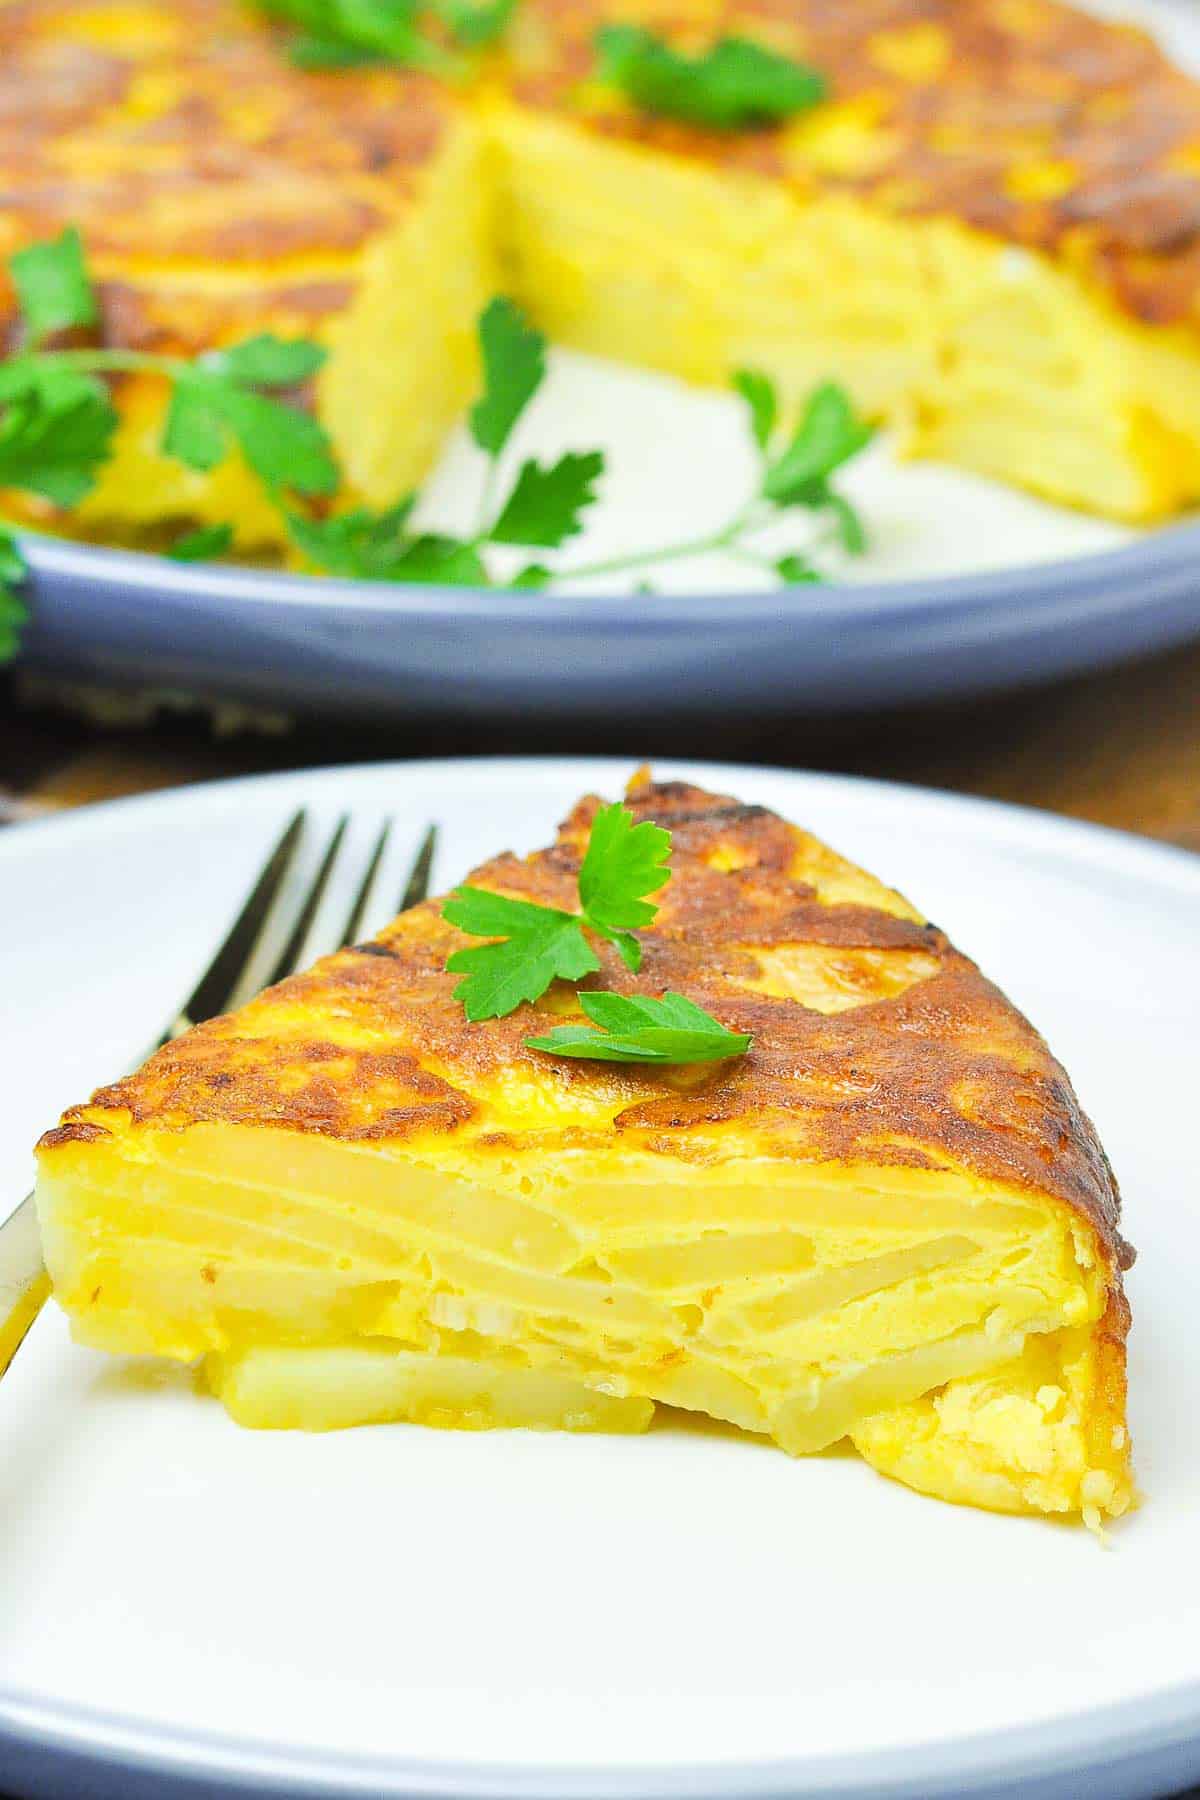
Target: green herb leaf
[(201, 545), (474, 23), (758, 391), (514, 367), (362, 544), (797, 571), (335, 34), (13, 612), (432, 557), (267, 361), (828, 435), (194, 432), (52, 286), (546, 503), (56, 429), (533, 576), (538, 945), (640, 1030), (371, 546), (736, 83), (622, 863), (285, 447)]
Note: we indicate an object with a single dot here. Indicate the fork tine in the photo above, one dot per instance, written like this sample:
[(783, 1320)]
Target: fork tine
[(354, 921), (216, 986), (416, 888), (290, 955)]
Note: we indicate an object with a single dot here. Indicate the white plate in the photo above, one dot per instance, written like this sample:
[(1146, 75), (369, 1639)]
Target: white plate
[(404, 1612)]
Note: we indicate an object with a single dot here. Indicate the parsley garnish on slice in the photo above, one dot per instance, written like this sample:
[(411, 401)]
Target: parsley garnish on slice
[(634, 1028), (539, 944), (736, 83), (12, 609), (536, 945)]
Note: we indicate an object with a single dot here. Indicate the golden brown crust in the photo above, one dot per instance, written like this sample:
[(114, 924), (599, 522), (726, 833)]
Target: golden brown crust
[(372, 1045), (1028, 119), (217, 187), (185, 141)]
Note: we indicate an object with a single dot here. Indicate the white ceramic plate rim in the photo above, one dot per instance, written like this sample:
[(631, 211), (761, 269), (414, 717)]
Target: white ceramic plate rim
[(1159, 1731)]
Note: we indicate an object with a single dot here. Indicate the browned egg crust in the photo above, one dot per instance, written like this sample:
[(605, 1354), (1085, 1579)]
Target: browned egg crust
[(217, 187), (946, 1073), (1028, 119)]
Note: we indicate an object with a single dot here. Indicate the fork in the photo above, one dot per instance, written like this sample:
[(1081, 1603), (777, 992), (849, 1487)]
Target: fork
[(231, 978)]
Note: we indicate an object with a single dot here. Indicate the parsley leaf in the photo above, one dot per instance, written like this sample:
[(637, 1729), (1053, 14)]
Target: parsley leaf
[(52, 286), (473, 23), (12, 610), (514, 367), (758, 391), (735, 83), (341, 34), (361, 544), (797, 571), (533, 577), (432, 557), (369, 546), (285, 447), (56, 429), (344, 34), (545, 505), (202, 544), (828, 435), (636, 1029), (539, 944), (267, 361), (622, 863)]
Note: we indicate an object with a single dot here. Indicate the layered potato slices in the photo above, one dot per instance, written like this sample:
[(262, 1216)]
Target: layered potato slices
[(888, 1222), (989, 230)]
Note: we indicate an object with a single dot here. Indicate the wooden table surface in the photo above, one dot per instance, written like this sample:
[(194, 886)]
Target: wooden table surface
[(1121, 748)]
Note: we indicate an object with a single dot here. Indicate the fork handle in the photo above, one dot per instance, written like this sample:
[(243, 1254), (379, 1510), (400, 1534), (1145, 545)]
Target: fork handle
[(24, 1283)]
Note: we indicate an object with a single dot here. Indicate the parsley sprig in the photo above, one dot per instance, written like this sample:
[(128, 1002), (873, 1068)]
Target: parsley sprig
[(539, 944), (734, 84), (58, 422), (535, 945), (57, 419), (542, 509), (545, 505)]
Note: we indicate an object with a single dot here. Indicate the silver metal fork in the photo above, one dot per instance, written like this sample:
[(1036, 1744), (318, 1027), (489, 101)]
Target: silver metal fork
[(270, 912)]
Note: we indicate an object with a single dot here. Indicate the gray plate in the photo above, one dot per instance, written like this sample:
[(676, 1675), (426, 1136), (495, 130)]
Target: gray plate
[(310, 645)]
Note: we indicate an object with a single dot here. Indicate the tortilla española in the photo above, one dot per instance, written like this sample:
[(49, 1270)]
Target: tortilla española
[(889, 1222), (989, 231)]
